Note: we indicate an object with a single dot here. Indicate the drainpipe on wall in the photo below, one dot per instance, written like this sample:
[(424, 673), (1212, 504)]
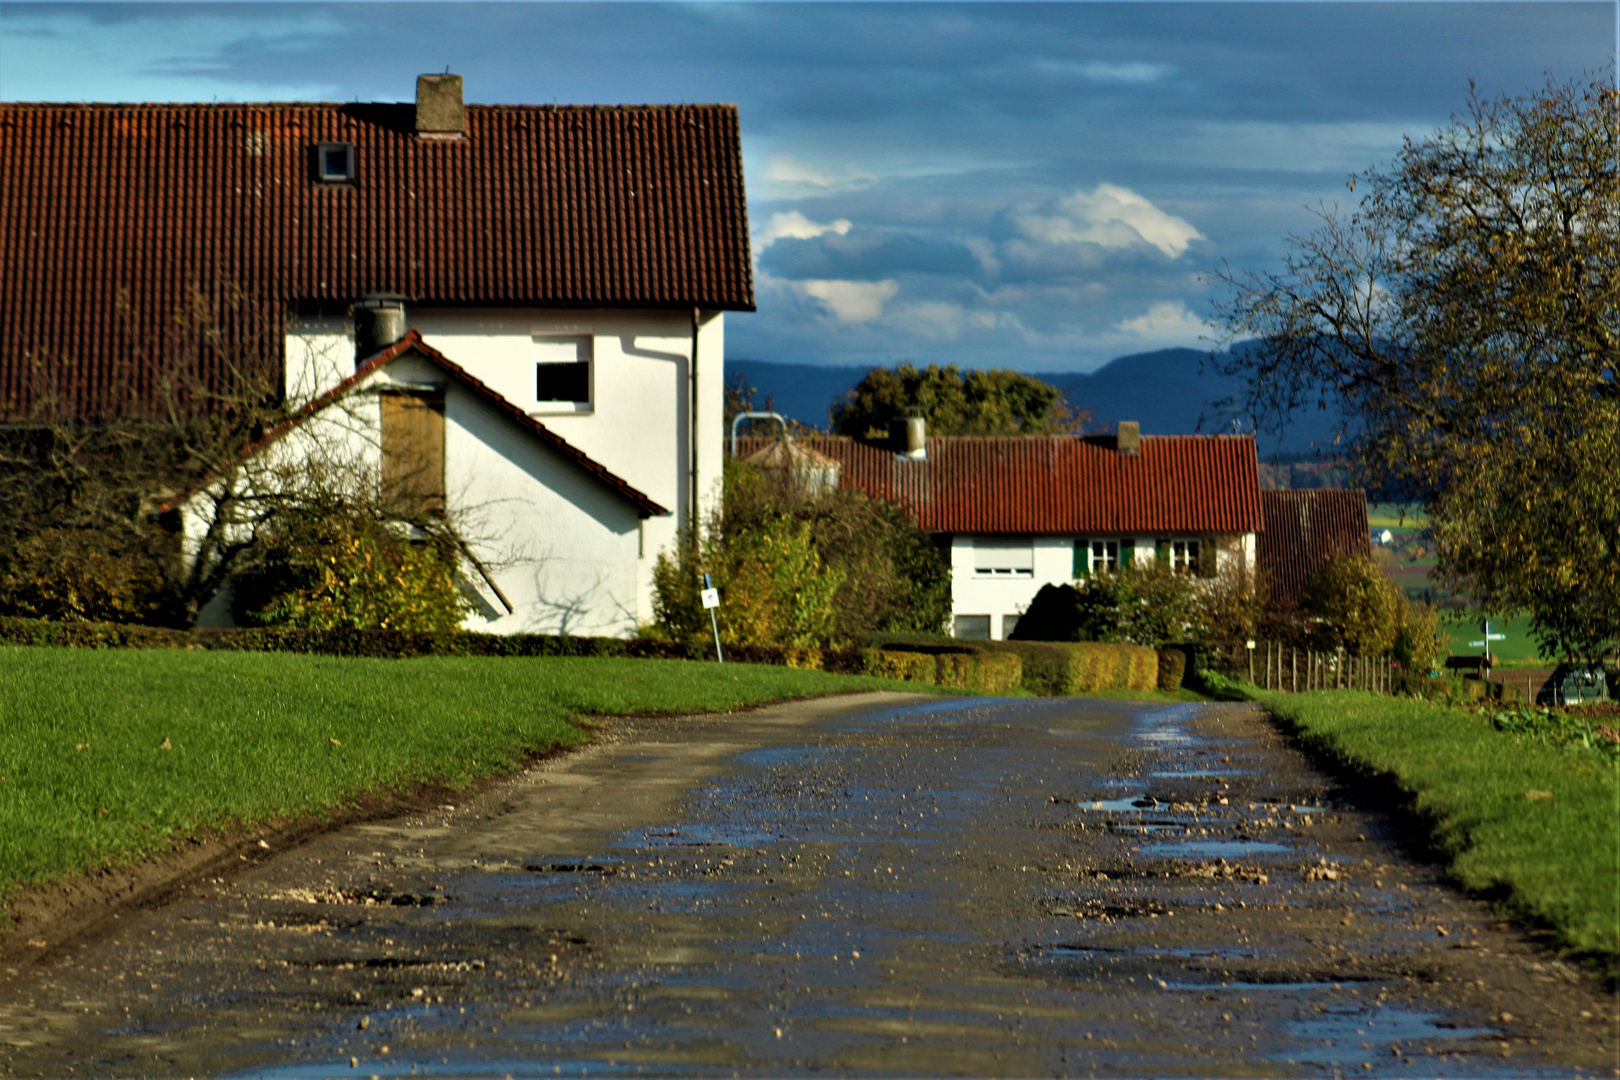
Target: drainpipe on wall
[(692, 512)]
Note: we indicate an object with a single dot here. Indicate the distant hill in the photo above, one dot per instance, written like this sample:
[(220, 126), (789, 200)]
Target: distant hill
[(1169, 392)]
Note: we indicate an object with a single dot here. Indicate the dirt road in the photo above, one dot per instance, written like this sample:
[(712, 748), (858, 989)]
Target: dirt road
[(884, 884)]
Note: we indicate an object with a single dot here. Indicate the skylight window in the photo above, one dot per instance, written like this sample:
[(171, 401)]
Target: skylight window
[(334, 162)]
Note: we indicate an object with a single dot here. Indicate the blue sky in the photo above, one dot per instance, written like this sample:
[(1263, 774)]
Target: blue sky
[(1038, 186)]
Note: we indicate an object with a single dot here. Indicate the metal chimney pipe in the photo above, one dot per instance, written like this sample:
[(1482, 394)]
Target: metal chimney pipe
[(912, 435), (379, 321)]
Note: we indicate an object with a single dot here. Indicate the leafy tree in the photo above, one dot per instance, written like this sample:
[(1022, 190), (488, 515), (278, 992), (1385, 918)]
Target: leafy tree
[(1418, 645), (1467, 317), (954, 402), (348, 570), (1355, 605), (98, 505), (801, 568)]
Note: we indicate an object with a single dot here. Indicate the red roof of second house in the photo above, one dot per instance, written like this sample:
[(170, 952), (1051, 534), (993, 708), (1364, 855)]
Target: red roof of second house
[(130, 233), (1177, 484), (1304, 529)]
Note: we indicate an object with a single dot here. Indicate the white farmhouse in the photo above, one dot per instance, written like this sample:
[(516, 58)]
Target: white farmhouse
[(1013, 514), (535, 293)]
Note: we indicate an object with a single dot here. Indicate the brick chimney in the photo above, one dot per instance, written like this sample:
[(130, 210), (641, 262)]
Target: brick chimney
[(439, 112)]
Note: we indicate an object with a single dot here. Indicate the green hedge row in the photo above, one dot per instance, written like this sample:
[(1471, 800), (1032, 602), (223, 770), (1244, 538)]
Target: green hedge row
[(1057, 668), (967, 669), (391, 644)]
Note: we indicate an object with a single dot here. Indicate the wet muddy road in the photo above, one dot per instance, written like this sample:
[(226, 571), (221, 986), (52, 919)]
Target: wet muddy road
[(892, 885)]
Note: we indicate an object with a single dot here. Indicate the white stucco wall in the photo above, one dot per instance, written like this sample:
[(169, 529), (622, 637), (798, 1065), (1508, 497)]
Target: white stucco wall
[(974, 592), (562, 546), (638, 422), (319, 354)]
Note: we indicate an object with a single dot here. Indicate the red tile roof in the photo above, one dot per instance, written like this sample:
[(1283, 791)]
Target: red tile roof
[(1304, 529), (1179, 484), (113, 218), (412, 343)]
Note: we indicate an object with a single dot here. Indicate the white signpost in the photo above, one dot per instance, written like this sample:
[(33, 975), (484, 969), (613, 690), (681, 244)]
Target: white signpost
[(1485, 628), (711, 600)]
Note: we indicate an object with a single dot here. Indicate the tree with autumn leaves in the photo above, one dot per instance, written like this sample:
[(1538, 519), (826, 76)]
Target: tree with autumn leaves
[(1466, 317)]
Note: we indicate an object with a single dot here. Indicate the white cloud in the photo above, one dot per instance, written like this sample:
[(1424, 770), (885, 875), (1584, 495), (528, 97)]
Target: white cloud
[(1101, 71), (796, 226), (851, 301), (1167, 320), (1111, 217), (797, 174)]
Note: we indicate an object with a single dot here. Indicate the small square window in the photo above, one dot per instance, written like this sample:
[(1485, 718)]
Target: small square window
[(973, 627), (562, 370), (334, 162)]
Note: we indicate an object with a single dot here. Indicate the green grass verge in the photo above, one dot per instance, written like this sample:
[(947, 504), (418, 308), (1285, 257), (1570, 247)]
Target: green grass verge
[(1556, 859), (253, 737)]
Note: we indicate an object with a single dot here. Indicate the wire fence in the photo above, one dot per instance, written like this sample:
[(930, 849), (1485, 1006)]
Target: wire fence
[(1274, 665)]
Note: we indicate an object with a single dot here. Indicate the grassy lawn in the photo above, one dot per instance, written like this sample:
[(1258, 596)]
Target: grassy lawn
[(86, 780), (1534, 823)]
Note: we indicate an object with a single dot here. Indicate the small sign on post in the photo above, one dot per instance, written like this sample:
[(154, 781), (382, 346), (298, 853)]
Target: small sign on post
[(711, 600)]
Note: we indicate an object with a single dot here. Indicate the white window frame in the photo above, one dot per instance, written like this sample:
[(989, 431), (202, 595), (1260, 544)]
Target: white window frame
[(1100, 552), (1009, 552), (584, 345), (1187, 554)]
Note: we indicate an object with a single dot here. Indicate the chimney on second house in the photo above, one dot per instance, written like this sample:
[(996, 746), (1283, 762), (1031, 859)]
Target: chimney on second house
[(1129, 441), (911, 437), (439, 111)]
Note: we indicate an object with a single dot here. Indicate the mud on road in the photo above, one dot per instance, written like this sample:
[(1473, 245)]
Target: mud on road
[(883, 884)]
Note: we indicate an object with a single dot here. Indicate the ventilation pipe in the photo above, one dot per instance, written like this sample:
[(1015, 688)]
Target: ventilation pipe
[(911, 434), (379, 321)]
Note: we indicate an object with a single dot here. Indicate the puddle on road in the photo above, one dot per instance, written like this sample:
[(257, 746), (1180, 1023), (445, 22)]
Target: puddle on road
[(1339, 1034), (1182, 774), (1212, 848)]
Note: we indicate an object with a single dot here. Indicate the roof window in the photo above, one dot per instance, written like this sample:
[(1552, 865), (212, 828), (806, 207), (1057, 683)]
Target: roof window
[(334, 162)]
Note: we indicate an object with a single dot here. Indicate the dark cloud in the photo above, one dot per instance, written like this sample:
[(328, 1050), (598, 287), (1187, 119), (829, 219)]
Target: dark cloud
[(963, 147)]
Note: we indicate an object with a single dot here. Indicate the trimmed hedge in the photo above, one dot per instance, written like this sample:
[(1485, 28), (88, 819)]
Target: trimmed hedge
[(1058, 668), (1173, 667)]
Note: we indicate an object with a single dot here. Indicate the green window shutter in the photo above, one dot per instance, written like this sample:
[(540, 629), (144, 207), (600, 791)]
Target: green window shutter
[(1161, 551), (1127, 552), (1082, 559)]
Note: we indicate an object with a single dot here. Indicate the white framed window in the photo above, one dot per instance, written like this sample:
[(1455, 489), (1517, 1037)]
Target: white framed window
[(1186, 556), (1009, 623), (563, 372), (1004, 557), (1104, 557)]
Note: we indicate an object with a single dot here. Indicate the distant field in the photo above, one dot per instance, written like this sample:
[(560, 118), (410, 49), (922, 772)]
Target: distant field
[(1517, 647), (1411, 575), (1388, 516)]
